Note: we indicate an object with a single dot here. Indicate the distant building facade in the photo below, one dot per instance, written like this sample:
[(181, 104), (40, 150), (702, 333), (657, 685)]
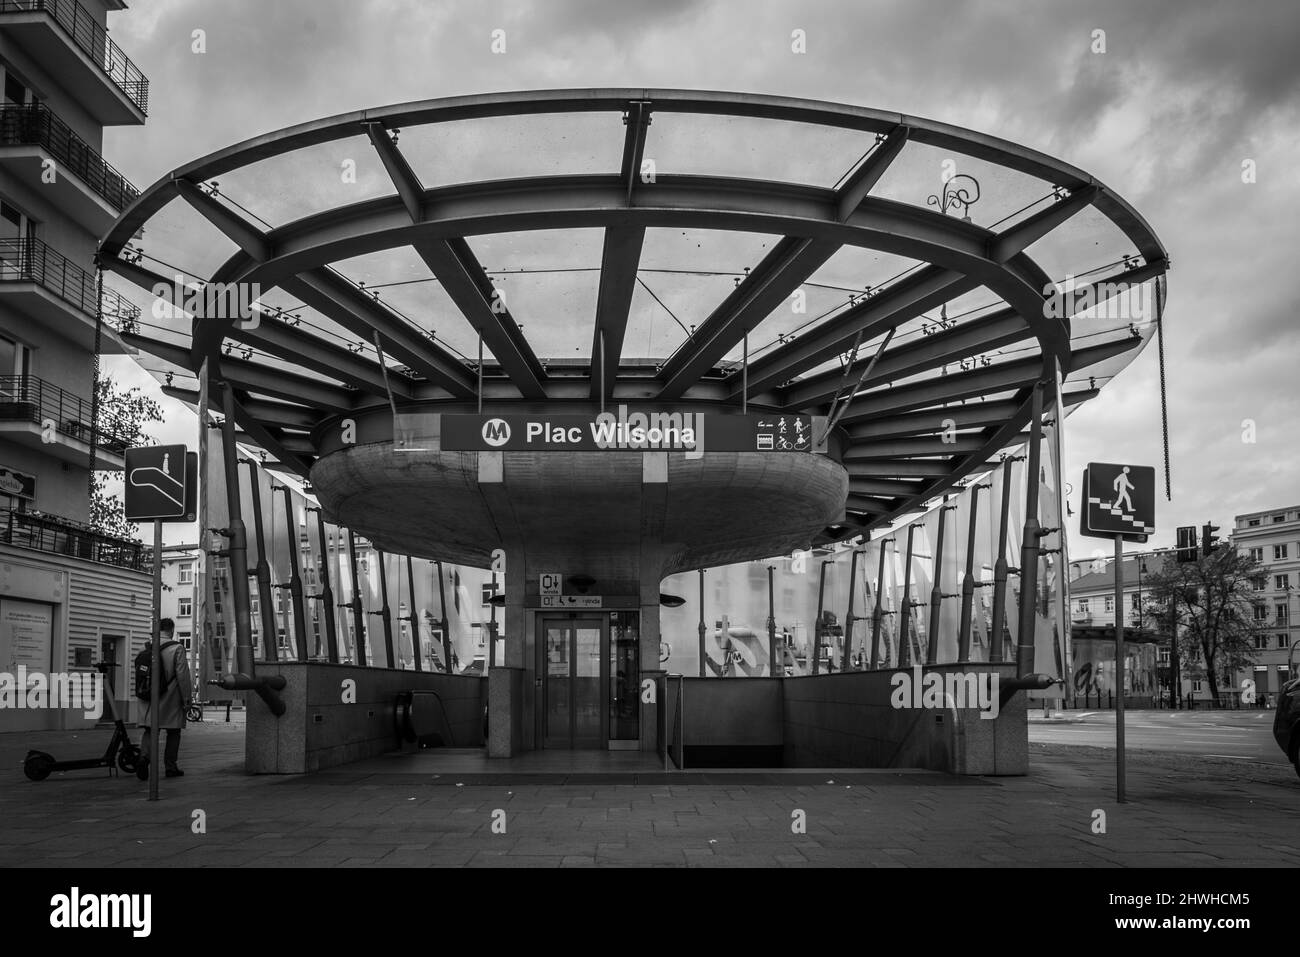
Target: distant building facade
[(1272, 538)]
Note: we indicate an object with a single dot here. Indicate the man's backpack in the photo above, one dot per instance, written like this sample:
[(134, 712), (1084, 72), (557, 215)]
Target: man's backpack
[(144, 671)]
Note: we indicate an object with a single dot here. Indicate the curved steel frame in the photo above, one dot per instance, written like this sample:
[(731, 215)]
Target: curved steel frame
[(815, 223)]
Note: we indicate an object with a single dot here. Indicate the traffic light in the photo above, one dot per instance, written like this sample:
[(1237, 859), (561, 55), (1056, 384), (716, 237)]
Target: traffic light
[(1186, 550), (1208, 542)]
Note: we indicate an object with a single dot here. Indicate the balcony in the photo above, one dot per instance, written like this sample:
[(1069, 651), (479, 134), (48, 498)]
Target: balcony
[(39, 282), (69, 44), (56, 422), (85, 187), (62, 536)]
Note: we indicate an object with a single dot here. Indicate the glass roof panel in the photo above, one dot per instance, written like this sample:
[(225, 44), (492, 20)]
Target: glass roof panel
[(754, 148), (506, 147), (284, 188)]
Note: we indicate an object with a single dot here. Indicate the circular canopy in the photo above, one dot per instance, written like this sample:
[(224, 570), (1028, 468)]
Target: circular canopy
[(661, 247)]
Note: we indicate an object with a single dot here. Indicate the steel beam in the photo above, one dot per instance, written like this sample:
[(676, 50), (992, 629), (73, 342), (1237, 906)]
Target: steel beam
[(981, 335), (874, 315), (618, 270), (789, 263), (463, 279), (334, 296), (408, 185), (248, 237), (863, 179)]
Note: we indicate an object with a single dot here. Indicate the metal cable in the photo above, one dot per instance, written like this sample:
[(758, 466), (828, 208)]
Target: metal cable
[(1164, 405)]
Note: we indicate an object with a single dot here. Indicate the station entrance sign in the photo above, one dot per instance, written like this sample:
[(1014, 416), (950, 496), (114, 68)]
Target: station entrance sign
[(630, 431)]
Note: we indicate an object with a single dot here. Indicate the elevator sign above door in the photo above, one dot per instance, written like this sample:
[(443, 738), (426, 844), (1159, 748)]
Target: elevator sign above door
[(549, 583), (572, 601)]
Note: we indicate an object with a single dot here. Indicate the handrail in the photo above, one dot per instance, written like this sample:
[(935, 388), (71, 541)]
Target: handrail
[(93, 40), (58, 535), (27, 398), (37, 125), (32, 260)]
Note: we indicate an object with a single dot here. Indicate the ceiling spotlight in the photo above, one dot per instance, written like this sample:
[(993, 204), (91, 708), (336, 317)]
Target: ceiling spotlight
[(671, 601)]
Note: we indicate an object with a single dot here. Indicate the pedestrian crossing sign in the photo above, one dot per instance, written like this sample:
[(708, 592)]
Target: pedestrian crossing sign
[(1118, 500)]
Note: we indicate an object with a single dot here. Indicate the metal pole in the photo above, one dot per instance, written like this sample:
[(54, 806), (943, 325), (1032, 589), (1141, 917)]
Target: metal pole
[(358, 615), (905, 633), (1119, 668), (492, 629), (263, 569), (326, 595), (480, 373), (968, 582), (936, 592), (820, 628), (744, 376), (155, 671), (295, 579), (1029, 540), (385, 613), (442, 605), (238, 533), (771, 623), (877, 615), (1001, 568), (703, 629), (414, 616), (1175, 679), (848, 617)]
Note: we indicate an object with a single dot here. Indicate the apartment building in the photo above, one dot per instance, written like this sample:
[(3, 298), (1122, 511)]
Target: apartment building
[(1272, 538), (71, 598)]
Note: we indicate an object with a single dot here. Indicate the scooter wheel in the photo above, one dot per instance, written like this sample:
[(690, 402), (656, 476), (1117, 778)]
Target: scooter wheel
[(194, 713), (38, 765), (126, 759)]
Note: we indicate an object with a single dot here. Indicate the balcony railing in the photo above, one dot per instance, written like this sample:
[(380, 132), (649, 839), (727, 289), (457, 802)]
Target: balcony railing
[(25, 398), (30, 260), (93, 41), (63, 536), (36, 125)]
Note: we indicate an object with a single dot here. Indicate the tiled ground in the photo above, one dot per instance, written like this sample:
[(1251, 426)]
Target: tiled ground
[(395, 812)]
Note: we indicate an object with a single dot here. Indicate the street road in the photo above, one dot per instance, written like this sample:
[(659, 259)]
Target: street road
[(1238, 735)]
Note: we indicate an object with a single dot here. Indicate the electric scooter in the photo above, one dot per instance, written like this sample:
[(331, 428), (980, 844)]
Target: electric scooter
[(121, 753)]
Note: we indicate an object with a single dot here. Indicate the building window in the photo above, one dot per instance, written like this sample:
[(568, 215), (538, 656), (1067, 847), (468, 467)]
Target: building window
[(1164, 656), (184, 638), (1281, 612), (185, 574), (1137, 601), (1281, 582), (221, 629), (184, 607), (1257, 554), (1252, 522), (1196, 685), (1260, 613), (1259, 583), (1110, 604), (1283, 641), (1261, 642), (1083, 606), (1279, 518), (1279, 552)]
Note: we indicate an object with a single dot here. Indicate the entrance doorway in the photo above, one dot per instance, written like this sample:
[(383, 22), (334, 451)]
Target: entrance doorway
[(590, 669)]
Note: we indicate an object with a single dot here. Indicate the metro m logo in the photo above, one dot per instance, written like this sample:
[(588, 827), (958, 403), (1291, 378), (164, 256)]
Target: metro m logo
[(496, 432)]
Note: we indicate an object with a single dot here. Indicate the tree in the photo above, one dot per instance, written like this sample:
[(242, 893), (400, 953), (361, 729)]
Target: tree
[(123, 415), (1210, 601)]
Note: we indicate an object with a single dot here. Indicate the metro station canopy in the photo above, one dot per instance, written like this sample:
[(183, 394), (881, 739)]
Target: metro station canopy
[(671, 247)]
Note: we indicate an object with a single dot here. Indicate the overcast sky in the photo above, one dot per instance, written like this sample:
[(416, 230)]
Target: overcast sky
[(1183, 95)]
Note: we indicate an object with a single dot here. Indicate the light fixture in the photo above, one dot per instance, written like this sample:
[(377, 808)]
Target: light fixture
[(498, 600), (581, 582), (671, 601)]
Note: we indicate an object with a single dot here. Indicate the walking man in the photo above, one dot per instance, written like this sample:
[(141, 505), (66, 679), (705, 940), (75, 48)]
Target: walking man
[(1122, 486), (175, 695)]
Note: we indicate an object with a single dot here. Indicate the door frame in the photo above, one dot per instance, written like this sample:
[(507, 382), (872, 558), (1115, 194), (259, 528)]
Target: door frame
[(571, 620)]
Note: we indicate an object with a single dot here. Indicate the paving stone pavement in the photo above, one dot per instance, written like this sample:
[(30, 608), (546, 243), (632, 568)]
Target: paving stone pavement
[(1182, 812)]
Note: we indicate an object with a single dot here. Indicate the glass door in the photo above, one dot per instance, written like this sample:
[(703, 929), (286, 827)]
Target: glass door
[(573, 706)]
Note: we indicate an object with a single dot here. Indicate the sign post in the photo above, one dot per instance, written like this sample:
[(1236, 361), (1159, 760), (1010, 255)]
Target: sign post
[(161, 482), (1119, 502)]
